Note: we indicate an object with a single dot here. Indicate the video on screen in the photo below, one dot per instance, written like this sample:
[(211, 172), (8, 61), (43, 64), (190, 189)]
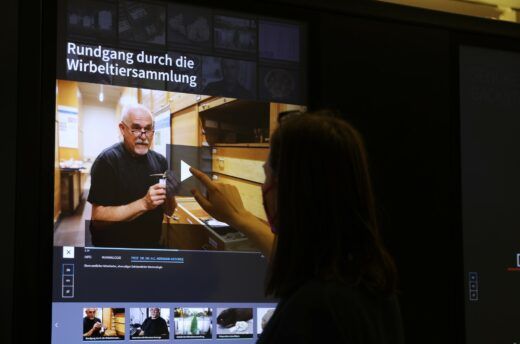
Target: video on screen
[(103, 324), (114, 143), (151, 323), (146, 90)]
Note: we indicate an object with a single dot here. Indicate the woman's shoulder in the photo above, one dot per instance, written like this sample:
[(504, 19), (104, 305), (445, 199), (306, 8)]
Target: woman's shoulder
[(342, 293), (340, 313), (341, 299)]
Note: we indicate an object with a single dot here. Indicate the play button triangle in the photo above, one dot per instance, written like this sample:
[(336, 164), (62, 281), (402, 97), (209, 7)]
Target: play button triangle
[(185, 171)]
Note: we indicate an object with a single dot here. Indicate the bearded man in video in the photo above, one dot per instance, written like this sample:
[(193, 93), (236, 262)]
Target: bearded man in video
[(91, 324), (154, 325), (131, 186)]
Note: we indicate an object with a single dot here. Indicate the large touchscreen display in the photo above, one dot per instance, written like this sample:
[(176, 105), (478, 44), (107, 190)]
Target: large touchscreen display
[(490, 170), (144, 91)]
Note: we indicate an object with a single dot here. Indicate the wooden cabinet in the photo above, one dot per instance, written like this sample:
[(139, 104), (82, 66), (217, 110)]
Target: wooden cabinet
[(238, 132), (185, 231), (180, 101), (70, 190), (234, 121), (250, 192), (243, 168), (113, 320), (119, 323), (186, 127), (241, 162), (213, 103)]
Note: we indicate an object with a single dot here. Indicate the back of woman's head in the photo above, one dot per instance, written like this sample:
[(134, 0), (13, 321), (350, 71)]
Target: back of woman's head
[(326, 221)]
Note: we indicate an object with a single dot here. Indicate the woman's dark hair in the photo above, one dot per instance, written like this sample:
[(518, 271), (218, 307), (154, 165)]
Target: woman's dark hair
[(326, 216)]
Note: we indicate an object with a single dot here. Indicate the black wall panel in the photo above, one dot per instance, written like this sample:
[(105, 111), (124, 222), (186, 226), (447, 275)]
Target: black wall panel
[(392, 81)]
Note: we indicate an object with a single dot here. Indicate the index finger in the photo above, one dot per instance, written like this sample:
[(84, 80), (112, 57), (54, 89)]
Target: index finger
[(204, 179)]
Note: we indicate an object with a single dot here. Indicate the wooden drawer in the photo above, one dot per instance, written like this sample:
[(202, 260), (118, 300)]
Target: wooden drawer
[(179, 101), (185, 237), (240, 162), (214, 102), (107, 318), (119, 324), (186, 233), (250, 192), (120, 329), (185, 128), (184, 216)]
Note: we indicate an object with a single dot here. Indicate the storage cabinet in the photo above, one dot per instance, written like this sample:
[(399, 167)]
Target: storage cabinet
[(238, 132), (186, 127), (180, 101), (70, 189), (241, 162), (250, 192), (184, 230), (119, 323), (187, 231), (233, 121), (114, 321), (213, 103)]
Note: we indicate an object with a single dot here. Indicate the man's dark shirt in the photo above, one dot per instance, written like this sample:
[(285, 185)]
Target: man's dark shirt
[(119, 178), (155, 327), (88, 324)]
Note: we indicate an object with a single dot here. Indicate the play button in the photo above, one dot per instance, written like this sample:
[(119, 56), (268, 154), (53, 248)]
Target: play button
[(185, 171), (181, 158)]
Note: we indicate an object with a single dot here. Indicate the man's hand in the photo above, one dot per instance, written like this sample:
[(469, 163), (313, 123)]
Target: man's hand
[(155, 196), (96, 327)]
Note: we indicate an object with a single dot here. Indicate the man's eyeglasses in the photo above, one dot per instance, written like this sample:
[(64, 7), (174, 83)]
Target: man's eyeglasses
[(139, 132)]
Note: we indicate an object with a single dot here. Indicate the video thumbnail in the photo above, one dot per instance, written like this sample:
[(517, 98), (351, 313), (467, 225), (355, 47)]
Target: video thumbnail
[(149, 323), (234, 322), (104, 324), (193, 323), (263, 315)]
